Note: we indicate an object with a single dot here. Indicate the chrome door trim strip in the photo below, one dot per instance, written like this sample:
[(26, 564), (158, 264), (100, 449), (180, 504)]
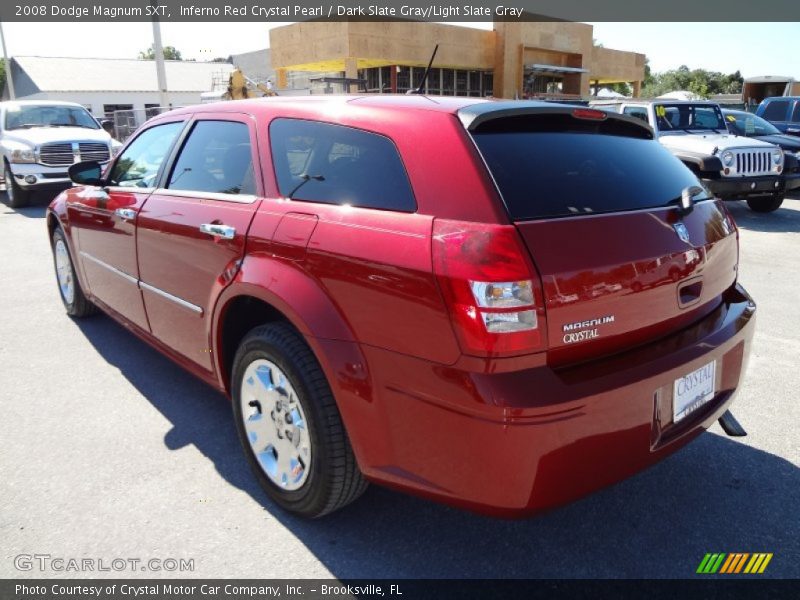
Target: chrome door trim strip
[(122, 274), (236, 198), (179, 301), (145, 286)]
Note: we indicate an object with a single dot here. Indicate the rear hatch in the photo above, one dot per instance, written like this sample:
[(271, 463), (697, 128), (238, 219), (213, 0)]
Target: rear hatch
[(595, 200)]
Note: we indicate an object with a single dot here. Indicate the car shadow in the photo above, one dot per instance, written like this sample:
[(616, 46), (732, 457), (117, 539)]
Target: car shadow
[(716, 495), (37, 206), (785, 219)]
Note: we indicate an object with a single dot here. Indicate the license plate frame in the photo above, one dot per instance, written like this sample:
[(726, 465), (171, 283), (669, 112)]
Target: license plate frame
[(693, 390)]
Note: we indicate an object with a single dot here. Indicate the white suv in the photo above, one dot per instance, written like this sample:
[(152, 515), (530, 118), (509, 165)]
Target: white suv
[(39, 140)]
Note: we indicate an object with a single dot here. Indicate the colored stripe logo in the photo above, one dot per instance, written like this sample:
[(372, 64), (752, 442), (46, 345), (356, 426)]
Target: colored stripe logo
[(734, 562)]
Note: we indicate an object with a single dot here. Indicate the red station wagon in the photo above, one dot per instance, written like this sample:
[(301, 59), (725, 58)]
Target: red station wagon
[(498, 305)]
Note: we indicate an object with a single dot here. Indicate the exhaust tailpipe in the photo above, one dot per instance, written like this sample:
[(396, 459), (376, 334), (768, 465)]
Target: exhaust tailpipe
[(731, 426)]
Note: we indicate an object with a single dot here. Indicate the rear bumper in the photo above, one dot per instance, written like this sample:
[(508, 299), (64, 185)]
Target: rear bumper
[(746, 187), (522, 441)]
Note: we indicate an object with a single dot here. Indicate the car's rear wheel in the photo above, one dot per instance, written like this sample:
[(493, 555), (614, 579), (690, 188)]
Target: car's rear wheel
[(17, 197), (289, 425), (765, 205), (69, 287)]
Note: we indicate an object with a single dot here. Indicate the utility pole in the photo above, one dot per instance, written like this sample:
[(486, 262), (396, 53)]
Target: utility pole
[(161, 72), (9, 77)]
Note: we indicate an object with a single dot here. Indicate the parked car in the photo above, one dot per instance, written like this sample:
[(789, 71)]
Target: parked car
[(749, 125), (783, 112), (40, 139), (732, 167), (389, 290)]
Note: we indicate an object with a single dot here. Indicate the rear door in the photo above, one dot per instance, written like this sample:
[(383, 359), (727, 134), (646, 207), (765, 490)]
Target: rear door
[(596, 204), (192, 230)]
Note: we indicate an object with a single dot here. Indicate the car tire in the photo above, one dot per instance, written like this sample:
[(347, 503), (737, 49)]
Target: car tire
[(765, 205), (17, 197), (69, 288), (289, 425)]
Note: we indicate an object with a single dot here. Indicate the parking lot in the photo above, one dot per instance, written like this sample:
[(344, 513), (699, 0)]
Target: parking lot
[(110, 450)]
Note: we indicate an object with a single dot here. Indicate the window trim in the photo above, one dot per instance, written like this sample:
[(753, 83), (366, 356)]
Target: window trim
[(274, 170), (175, 152), (794, 115)]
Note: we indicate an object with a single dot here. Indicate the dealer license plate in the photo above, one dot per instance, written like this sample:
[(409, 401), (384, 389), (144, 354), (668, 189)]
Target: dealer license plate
[(693, 390)]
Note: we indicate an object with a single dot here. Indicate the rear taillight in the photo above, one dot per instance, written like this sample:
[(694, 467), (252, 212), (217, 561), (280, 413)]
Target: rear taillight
[(490, 287)]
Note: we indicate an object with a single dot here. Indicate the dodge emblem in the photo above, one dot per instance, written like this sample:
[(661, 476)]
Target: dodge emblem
[(682, 232)]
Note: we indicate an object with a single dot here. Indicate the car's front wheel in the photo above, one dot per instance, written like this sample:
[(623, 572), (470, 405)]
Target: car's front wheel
[(289, 424), (69, 287), (17, 196), (765, 205)]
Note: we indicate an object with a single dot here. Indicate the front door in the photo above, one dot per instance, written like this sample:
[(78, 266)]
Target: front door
[(103, 221), (192, 230)]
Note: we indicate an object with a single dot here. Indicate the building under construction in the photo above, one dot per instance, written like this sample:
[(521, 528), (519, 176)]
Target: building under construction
[(536, 59)]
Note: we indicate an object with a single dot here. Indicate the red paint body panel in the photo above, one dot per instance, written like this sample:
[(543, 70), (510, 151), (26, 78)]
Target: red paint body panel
[(510, 435), (632, 266), (111, 240), (176, 257)]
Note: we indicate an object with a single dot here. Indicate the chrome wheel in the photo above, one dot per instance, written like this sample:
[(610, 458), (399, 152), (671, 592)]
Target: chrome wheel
[(64, 272), (275, 424)]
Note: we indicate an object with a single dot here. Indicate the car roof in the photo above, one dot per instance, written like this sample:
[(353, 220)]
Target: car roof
[(446, 104)]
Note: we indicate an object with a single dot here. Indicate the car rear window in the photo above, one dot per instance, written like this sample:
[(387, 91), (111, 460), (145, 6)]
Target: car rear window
[(557, 166), (776, 111)]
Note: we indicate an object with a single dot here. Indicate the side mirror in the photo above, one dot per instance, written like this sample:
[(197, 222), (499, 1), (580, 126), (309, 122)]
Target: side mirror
[(86, 173)]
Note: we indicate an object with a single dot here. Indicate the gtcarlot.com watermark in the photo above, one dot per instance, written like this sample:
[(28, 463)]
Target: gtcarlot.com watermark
[(85, 564)]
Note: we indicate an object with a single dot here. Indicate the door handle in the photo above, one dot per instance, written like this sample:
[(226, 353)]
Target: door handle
[(223, 231), (126, 213)]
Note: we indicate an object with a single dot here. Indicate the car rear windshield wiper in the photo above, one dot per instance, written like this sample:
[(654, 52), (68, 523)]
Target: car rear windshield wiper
[(693, 191)]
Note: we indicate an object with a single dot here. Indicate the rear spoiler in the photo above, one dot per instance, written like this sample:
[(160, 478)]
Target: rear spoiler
[(475, 115)]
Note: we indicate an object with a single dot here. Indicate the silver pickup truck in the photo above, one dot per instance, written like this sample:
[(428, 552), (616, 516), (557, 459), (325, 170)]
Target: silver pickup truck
[(39, 140), (731, 166)]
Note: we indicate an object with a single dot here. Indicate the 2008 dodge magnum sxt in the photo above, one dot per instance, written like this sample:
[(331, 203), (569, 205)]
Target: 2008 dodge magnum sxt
[(498, 305)]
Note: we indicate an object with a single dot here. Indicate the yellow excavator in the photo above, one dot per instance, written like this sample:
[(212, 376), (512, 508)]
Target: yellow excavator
[(241, 86)]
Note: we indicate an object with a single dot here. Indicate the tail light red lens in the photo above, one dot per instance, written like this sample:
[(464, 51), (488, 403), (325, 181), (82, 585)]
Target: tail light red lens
[(589, 113), (490, 286)]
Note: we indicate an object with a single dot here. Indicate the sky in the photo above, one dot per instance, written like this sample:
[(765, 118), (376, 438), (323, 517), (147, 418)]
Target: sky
[(752, 48)]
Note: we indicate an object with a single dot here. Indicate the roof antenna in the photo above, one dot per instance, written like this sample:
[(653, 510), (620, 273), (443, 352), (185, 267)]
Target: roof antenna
[(421, 88)]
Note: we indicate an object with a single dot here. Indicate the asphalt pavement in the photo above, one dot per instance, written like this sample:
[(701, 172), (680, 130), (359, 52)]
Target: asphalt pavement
[(110, 451)]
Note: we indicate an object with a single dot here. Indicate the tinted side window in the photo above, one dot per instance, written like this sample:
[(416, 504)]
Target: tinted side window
[(138, 165), (776, 111), (215, 158), (796, 113), (320, 162), (636, 111)]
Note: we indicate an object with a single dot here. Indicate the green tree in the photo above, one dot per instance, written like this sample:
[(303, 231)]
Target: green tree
[(699, 81), (2, 75), (170, 53)]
